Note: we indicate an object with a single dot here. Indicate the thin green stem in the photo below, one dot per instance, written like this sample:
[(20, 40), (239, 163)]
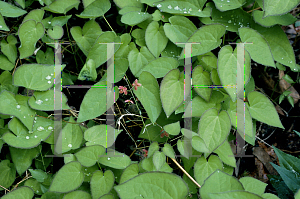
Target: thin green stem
[(108, 24)]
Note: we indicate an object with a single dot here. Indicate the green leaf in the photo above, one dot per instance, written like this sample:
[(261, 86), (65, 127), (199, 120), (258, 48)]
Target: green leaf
[(16, 105), (232, 19), (97, 135), (22, 138), (3, 25), (166, 185), (130, 172), (168, 150), (271, 196), (7, 174), (99, 50), (209, 38), (262, 109), (133, 3), (38, 174), (297, 195), (9, 48), (159, 159), (138, 60), (235, 114), (199, 106), (189, 8), (78, 194), (68, 178), (116, 160), (147, 165), (199, 145), (139, 35), (45, 100), (89, 155), (148, 95), (21, 192), (284, 20), (171, 91), (278, 7), (5, 64), (92, 105), (161, 66), (228, 5), (135, 17), (280, 46), (225, 154), (56, 32), (179, 29), (21, 3), (45, 58), (152, 149), (219, 182), (156, 39), (22, 158), (253, 185), (204, 168), (35, 185), (201, 81), (208, 62), (29, 33), (61, 20), (287, 161), (62, 6), (290, 178), (34, 76), (227, 69), (86, 37), (70, 137), (95, 9), (101, 184), (214, 128), (234, 195), (173, 128), (259, 50), (8, 10), (36, 15)]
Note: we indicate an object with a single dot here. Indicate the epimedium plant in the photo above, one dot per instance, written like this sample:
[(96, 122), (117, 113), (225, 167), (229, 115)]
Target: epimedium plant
[(153, 54)]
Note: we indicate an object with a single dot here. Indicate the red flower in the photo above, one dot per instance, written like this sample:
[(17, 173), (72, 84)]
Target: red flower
[(136, 84), (146, 152), (164, 133), (123, 89)]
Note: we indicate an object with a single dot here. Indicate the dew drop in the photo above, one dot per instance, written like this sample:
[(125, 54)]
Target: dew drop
[(49, 82), (108, 158), (30, 132), (18, 106), (221, 6), (184, 12), (221, 17), (39, 102), (0, 26), (52, 74), (199, 10), (228, 1), (24, 117), (159, 5), (50, 128), (291, 62), (40, 128), (46, 99), (169, 6), (35, 136), (190, 9), (49, 22), (48, 77), (229, 21), (234, 24), (70, 145), (27, 137), (176, 8)]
